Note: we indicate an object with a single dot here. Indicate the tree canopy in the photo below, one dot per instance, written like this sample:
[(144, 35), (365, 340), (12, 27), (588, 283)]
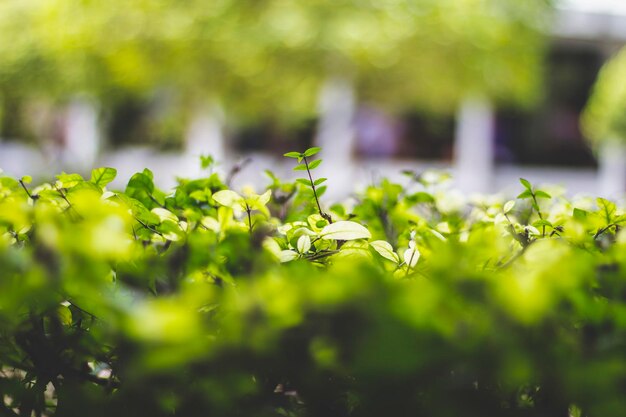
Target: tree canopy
[(270, 57), (604, 117)]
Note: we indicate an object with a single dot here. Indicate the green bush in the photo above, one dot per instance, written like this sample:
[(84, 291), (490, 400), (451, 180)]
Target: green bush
[(206, 301)]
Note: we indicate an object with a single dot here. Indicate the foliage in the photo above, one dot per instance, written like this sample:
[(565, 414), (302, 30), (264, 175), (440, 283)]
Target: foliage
[(208, 301), (604, 116), (270, 57)]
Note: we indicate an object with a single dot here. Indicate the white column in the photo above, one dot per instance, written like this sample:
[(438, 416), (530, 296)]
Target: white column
[(474, 148), (82, 135), (612, 169), (335, 135), (205, 137)]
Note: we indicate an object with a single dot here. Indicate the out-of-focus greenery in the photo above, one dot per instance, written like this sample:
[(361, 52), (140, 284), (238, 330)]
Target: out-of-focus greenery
[(209, 301), (267, 58), (604, 117)]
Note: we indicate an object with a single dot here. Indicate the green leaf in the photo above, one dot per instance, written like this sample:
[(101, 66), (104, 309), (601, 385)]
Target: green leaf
[(541, 223), (411, 256), (319, 181), (321, 190), (287, 255), (385, 250), (304, 244), (300, 168), (542, 194), (228, 198), (345, 230), (508, 206), (315, 164), (311, 151), (206, 161), (420, 197), (525, 183), (608, 209), (27, 179), (69, 180), (525, 194), (258, 202), (102, 176), (293, 155), (140, 182), (304, 182), (580, 214)]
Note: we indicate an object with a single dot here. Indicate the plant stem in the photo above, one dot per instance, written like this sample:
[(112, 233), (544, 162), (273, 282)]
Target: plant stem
[(26, 189), (249, 218), (317, 201)]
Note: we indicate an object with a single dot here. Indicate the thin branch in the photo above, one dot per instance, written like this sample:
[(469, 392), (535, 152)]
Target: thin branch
[(317, 201)]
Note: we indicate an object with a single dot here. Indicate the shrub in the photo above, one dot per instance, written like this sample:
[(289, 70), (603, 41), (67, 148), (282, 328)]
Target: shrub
[(210, 301)]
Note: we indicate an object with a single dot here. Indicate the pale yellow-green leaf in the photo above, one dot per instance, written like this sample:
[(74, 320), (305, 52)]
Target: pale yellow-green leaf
[(270, 245), (385, 250), (411, 256), (210, 223), (508, 206), (164, 214), (345, 230), (228, 198), (304, 244), (288, 255)]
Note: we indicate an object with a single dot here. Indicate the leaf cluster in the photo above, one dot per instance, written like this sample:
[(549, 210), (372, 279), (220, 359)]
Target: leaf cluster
[(203, 300)]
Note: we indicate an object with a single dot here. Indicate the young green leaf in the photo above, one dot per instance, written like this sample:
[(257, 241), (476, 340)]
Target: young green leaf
[(315, 164), (303, 182), (542, 194), (319, 181), (580, 214), (345, 230), (228, 198), (525, 194), (508, 206), (311, 151), (27, 179), (525, 183), (295, 155), (300, 168), (102, 176)]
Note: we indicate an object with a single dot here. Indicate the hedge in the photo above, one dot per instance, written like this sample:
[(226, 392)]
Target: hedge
[(406, 300)]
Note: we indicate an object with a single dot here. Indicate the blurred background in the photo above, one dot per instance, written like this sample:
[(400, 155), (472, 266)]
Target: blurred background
[(490, 90)]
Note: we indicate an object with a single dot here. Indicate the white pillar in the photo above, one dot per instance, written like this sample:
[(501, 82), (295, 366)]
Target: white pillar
[(335, 135), (612, 169), (82, 135), (474, 148), (204, 137)]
